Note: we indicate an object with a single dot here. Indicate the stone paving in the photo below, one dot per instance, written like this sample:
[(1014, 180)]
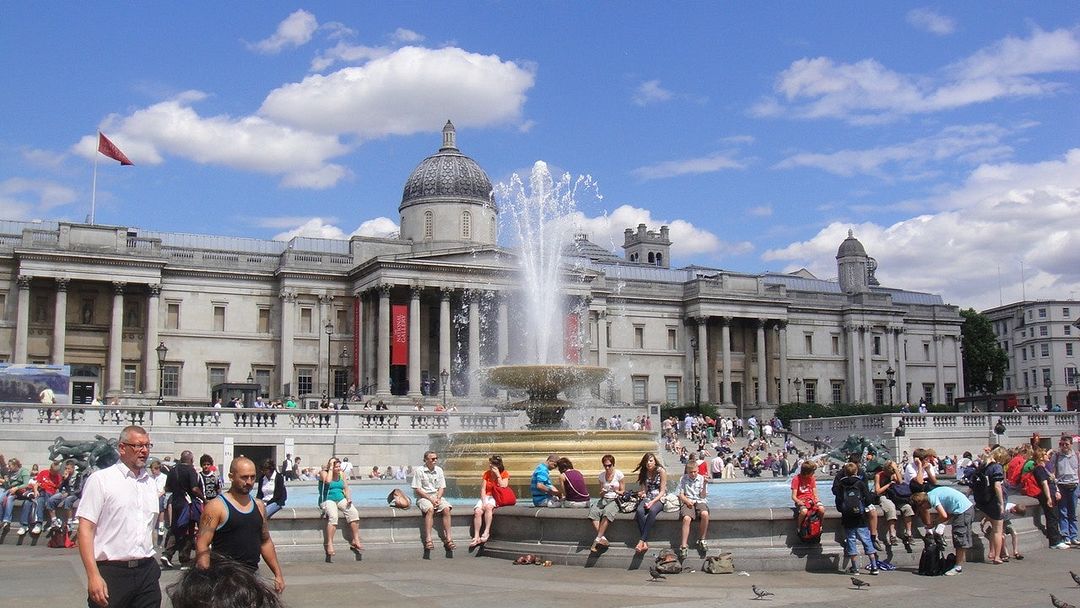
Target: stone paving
[(34, 577)]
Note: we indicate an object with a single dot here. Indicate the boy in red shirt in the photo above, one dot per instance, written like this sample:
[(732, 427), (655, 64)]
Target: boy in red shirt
[(804, 492)]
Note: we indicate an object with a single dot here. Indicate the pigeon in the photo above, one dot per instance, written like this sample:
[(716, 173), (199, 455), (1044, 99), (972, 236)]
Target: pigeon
[(760, 593), (1075, 577), (859, 583), (656, 576), (1060, 603)]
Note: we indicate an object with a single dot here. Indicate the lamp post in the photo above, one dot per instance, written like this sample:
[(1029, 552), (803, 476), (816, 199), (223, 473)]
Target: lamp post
[(444, 379), (162, 352), (345, 364), (991, 390), (329, 328), (1047, 382), (889, 373), (697, 379), (798, 387)]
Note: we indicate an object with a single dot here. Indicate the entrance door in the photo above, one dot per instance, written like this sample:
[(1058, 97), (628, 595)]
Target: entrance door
[(82, 392), (257, 453)]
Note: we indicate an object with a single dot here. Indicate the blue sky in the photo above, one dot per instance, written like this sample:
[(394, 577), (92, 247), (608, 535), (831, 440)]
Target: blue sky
[(946, 136)]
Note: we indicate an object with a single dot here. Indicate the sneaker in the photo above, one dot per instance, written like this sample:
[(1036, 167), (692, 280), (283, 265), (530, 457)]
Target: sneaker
[(37, 529), (5, 526), (1061, 545), (1075, 542), (702, 545), (682, 553), (893, 541), (873, 571), (954, 571), (853, 569), (21, 531)]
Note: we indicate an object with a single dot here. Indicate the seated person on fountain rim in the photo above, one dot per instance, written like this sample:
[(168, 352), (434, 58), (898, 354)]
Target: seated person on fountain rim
[(544, 492)]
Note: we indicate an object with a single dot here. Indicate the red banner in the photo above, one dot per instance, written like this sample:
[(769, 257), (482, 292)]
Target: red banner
[(357, 334), (572, 341), (399, 334)]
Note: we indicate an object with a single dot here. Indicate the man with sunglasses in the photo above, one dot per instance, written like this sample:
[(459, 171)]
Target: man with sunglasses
[(429, 485), (117, 515)]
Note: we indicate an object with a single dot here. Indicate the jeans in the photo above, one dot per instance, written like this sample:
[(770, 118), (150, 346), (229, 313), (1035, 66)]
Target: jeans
[(7, 505), (854, 536), (29, 515), (271, 508), (1053, 531), (1066, 508), (646, 517)]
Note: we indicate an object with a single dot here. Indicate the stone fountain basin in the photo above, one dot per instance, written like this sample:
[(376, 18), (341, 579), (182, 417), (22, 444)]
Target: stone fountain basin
[(547, 380)]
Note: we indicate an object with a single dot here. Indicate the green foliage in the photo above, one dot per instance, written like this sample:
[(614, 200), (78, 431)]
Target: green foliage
[(679, 410), (795, 411), (981, 354)]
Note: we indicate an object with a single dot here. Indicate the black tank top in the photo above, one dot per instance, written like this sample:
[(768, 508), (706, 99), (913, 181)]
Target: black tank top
[(240, 537)]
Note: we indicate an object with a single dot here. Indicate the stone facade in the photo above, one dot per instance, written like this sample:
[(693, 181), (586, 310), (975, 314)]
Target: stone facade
[(1042, 341)]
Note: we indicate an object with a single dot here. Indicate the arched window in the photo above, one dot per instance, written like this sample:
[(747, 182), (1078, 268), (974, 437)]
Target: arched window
[(429, 224), (466, 225), (652, 258), (659, 259)]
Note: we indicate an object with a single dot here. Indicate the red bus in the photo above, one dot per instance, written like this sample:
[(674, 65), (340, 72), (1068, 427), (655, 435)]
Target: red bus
[(1000, 402)]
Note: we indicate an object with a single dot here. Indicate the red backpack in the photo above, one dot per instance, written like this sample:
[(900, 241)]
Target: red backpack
[(1029, 486)]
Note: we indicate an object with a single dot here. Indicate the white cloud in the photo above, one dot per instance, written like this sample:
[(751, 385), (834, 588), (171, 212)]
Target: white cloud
[(379, 227), (970, 144), (689, 166), (930, 21), (1001, 214), (249, 143), (321, 228), (687, 240), (760, 211), (21, 198), (650, 92), (343, 52), (867, 92), (404, 92), (406, 36), (296, 30), (314, 228), (47, 159)]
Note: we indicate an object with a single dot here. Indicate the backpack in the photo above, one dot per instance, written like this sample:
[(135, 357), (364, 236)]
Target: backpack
[(667, 562), (899, 493), (810, 531), (1029, 486), (979, 482), (933, 561), (851, 501), (719, 564)]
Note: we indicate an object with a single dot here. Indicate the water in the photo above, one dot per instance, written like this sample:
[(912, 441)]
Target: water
[(727, 495)]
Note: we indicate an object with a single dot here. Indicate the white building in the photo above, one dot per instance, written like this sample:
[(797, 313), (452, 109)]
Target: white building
[(391, 314), (1042, 341)]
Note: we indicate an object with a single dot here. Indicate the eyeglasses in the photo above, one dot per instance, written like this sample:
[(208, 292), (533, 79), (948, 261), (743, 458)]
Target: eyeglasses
[(608, 465), (138, 446)]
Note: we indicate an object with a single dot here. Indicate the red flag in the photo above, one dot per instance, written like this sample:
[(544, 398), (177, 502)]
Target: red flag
[(109, 149)]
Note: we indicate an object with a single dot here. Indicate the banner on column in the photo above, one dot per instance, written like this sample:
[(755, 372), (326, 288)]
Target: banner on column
[(227, 449), (572, 342), (357, 333), (399, 334)]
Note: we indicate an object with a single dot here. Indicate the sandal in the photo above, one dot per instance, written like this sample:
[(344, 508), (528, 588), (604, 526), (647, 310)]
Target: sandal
[(483, 539), (1017, 556), (449, 544), (520, 561), (602, 541), (474, 543), (428, 544)]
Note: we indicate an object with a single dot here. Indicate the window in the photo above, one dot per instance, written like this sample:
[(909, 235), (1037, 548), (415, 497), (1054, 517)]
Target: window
[(1027, 384), (811, 390), (671, 390), (1044, 350), (879, 392), (304, 380), (466, 225), (641, 389), (341, 325), (639, 337), (1008, 383), (607, 337), (926, 350), (172, 315), (928, 392), (429, 225), (950, 393), (1070, 376), (837, 392), (808, 343), (3, 306), (836, 345), (1065, 313), (264, 320), (306, 326), (1044, 330), (1068, 349), (219, 318), (41, 309), (1042, 313), (262, 378), (672, 338), (131, 377), (215, 374), (170, 380), (877, 345), (1023, 354), (1029, 315), (1068, 330), (341, 382)]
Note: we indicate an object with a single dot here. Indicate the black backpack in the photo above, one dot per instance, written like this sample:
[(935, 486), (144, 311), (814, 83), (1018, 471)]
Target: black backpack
[(851, 501), (933, 561)]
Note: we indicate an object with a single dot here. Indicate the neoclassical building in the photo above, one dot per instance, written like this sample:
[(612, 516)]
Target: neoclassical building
[(390, 315)]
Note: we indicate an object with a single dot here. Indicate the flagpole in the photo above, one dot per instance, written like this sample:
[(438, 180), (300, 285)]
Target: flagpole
[(93, 189)]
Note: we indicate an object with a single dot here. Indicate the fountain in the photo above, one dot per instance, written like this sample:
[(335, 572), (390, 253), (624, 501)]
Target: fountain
[(549, 356)]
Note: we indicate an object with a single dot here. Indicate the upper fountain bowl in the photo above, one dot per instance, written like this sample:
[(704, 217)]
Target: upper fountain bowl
[(545, 381)]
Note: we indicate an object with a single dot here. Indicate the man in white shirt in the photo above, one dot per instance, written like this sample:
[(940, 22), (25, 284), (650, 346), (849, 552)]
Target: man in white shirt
[(117, 515), (346, 468), (429, 485)]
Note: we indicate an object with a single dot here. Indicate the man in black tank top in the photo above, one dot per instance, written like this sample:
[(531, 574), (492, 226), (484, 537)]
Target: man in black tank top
[(234, 525)]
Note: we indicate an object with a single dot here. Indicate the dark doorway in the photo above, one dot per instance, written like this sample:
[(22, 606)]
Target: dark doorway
[(257, 453)]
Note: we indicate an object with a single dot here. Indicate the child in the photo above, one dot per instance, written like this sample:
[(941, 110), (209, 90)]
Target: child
[(693, 504), (804, 492), (1010, 510), (853, 498)]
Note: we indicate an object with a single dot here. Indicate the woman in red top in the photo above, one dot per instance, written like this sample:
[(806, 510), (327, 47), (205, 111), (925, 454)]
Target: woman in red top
[(485, 507)]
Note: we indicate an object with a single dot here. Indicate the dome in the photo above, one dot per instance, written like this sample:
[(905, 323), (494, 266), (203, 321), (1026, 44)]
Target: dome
[(851, 246), (448, 175)]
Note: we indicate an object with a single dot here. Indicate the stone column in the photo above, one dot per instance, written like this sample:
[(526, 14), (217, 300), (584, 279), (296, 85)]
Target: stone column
[(22, 318), (59, 334), (414, 342), (504, 329), (939, 370), (150, 342), (868, 363), (853, 363), (474, 343), (781, 330), (444, 338), (959, 367), (901, 369), (703, 375), (725, 346), (288, 324), (324, 364), (116, 340), (601, 338), (763, 380), (382, 363)]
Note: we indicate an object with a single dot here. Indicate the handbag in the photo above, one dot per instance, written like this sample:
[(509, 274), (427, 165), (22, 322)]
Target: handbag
[(627, 502), (504, 497), (719, 564), (670, 503)]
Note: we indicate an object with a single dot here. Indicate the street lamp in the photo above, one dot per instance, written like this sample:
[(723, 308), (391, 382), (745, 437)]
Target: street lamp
[(444, 378), (329, 328), (697, 378), (798, 387), (1047, 382), (991, 389), (889, 373), (162, 352)]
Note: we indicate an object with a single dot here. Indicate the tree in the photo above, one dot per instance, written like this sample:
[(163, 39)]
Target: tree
[(981, 354)]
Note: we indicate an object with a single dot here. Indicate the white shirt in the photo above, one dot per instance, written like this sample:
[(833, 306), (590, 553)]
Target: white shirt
[(429, 480), (125, 508), (346, 469), (610, 489), (694, 489)]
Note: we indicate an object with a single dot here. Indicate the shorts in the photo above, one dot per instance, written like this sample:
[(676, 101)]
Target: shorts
[(992, 511), (890, 509), (605, 508), (961, 528), (693, 512), (1008, 528), (548, 502), (855, 536), (484, 500), (425, 505), (333, 510)]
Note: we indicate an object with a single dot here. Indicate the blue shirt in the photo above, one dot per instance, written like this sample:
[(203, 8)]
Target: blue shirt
[(540, 475), (954, 501)]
